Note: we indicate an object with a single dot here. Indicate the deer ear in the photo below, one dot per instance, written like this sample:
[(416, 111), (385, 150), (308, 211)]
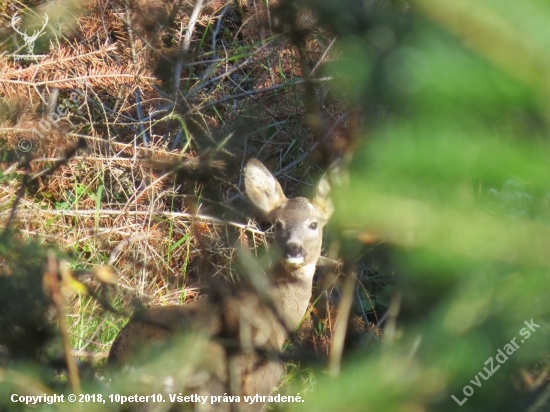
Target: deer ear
[(321, 200), (261, 187)]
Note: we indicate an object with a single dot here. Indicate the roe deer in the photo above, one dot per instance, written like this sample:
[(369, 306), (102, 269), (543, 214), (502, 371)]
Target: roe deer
[(256, 323)]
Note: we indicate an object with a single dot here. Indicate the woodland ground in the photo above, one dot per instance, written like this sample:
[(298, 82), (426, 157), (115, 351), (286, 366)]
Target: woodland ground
[(122, 148)]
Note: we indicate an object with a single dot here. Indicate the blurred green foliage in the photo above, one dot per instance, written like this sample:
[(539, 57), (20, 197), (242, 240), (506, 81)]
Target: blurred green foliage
[(454, 171), (28, 346)]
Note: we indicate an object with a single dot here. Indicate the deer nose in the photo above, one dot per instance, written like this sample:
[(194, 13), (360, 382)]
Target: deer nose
[(293, 250)]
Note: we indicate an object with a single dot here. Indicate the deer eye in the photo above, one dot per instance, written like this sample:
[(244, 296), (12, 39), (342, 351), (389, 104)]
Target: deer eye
[(313, 225)]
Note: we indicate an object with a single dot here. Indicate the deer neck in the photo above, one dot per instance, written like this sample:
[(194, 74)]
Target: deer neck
[(291, 294)]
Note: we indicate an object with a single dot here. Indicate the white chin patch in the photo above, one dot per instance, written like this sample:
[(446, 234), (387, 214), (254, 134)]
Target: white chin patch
[(295, 260)]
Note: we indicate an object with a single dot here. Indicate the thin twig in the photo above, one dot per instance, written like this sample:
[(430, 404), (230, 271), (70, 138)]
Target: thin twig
[(76, 79), (217, 29), (227, 73), (363, 311), (114, 212), (142, 130), (191, 27), (339, 337), (393, 312), (259, 91), (123, 244), (185, 49), (323, 56), (130, 31), (20, 193), (203, 83), (93, 355), (52, 280), (300, 158), (27, 179), (177, 139)]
